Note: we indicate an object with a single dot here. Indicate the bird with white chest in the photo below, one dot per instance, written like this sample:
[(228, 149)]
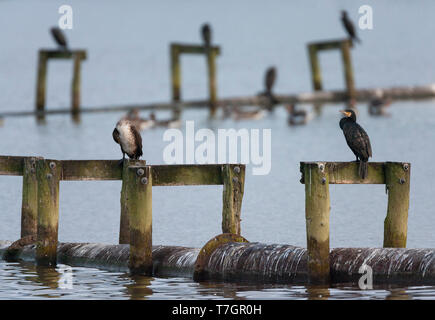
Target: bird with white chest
[(129, 138)]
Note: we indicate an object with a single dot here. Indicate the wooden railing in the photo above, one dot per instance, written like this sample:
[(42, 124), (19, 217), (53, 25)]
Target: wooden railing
[(40, 198), (317, 176)]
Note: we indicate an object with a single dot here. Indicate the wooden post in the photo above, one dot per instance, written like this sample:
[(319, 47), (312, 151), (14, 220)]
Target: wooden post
[(176, 78), (29, 206), (41, 84), (211, 64), (316, 75), (348, 70), (124, 225), (233, 187), (48, 173), (139, 204), (397, 179), (75, 89), (317, 207)]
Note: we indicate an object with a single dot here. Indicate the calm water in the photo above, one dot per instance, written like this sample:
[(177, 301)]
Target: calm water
[(128, 62)]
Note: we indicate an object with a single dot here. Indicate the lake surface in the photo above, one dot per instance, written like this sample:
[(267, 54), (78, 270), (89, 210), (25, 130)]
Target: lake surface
[(128, 62)]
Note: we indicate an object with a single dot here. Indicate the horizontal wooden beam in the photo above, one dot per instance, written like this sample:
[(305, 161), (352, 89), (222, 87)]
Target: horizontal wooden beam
[(329, 45), (194, 49), (184, 175), (347, 172), (11, 165), (63, 54)]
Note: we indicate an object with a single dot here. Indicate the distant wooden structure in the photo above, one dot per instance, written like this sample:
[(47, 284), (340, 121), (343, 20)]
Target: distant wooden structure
[(44, 55), (40, 204), (177, 49), (344, 45), (317, 176)]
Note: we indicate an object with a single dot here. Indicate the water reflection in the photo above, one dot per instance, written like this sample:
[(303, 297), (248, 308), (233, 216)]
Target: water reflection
[(139, 287)]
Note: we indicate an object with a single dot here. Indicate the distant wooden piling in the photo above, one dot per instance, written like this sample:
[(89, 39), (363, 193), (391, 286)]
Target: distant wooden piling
[(29, 206), (397, 179), (176, 50), (44, 56), (344, 45), (318, 175), (317, 207), (139, 204), (234, 182), (49, 173)]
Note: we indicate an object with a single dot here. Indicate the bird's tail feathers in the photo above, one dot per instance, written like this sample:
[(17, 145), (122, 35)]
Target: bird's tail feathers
[(363, 169)]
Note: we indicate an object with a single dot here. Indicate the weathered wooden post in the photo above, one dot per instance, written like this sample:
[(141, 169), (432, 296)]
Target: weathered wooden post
[(316, 76), (139, 204), (211, 64), (348, 70), (233, 188), (48, 173), (75, 88), (397, 180), (175, 78), (124, 225), (29, 206), (41, 84), (317, 208)]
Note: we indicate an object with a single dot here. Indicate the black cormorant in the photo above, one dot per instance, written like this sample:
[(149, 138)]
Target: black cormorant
[(59, 37), (348, 25), (206, 34), (297, 117), (128, 137), (357, 140)]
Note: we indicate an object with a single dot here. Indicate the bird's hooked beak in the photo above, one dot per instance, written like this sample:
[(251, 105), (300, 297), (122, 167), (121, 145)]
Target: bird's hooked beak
[(346, 113)]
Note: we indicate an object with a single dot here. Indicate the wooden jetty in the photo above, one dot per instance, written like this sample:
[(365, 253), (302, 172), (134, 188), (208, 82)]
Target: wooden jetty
[(40, 208), (228, 256)]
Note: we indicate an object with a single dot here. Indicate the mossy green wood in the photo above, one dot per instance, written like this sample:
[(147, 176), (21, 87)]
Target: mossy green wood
[(75, 89), (11, 165), (316, 75), (188, 174), (397, 176), (348, 70), (317, 209), (79, 170), (212, 83), (48, 173), (124, 224), (139, 206), (40, 85), (29, 206), (233, 188)]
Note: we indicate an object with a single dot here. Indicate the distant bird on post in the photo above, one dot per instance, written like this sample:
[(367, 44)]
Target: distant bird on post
[(59, 37), (357, 140), (348, 25), (206, 35), (269, 82), (128, 137)]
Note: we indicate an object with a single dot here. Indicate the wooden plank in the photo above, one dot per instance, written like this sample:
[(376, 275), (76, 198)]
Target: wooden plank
[(29, 203), (347, 173), (195, 49), (88, 170), (184, 175), (68, 54), (234, 185), (329, 44), (11, 165)]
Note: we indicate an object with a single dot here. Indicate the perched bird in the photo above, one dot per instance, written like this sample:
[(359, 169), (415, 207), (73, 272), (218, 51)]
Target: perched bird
[(59, 37), (297, 117), (206, 34), (357, 140), (128, 137), (348, 25), (377, 106), (269, 81)]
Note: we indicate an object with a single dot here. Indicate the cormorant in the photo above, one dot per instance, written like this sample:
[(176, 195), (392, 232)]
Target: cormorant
[(348, 25), (357, 140), (128, 137), (59, 37), (269, 81), (206, 34)]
